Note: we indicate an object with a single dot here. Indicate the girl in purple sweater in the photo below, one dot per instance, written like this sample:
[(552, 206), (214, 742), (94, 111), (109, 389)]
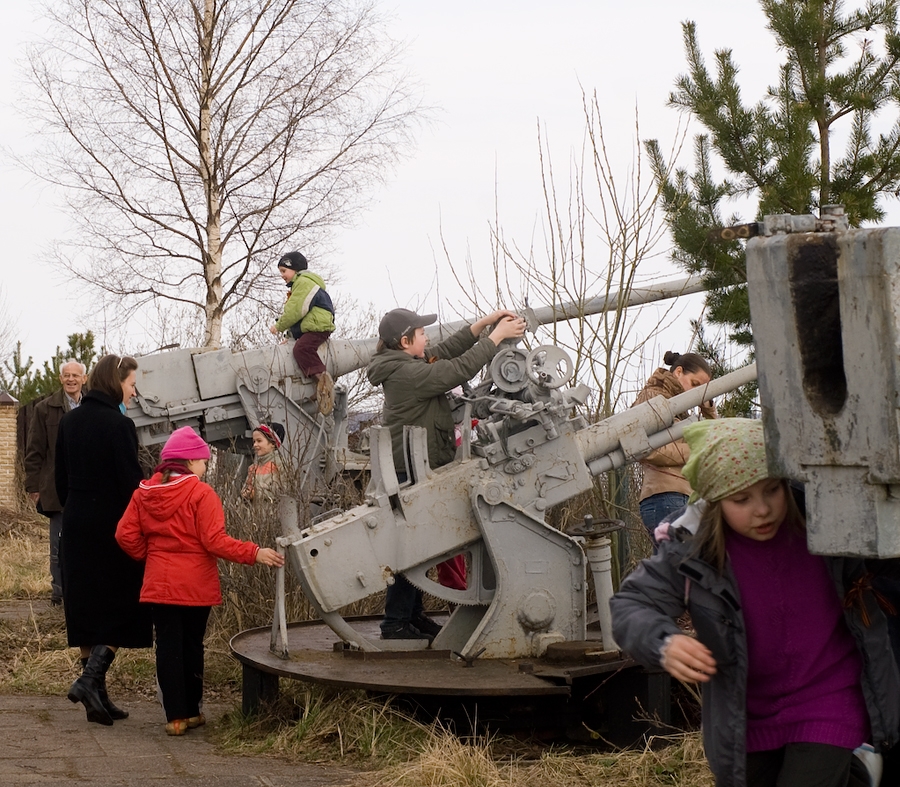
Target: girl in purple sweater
[(791, 648)]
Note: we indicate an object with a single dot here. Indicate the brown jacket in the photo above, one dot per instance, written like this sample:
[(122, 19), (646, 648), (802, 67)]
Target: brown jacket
[(662, 468), (40, 453)]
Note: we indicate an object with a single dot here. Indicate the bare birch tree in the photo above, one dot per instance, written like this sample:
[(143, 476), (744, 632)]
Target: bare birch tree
[(198, 139)]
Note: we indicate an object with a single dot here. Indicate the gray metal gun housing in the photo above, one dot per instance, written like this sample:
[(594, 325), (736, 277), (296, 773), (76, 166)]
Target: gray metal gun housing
[(527, 579)]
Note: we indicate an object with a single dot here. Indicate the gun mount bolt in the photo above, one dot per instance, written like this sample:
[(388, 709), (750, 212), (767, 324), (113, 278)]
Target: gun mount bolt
[(371, 524), (327, 542), (540, 505), (405, 499), (493, 494)]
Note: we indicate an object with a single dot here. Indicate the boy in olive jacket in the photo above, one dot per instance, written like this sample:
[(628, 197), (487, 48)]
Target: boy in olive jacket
[(309, 316), (415, 382)]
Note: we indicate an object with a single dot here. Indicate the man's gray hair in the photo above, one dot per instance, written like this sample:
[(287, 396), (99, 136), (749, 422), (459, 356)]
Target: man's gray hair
[(64, 364)]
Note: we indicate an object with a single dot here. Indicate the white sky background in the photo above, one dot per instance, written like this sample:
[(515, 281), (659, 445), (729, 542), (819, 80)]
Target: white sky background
[(492, 68)]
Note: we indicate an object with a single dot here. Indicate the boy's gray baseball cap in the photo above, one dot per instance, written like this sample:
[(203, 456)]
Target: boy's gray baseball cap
[(399, 322)]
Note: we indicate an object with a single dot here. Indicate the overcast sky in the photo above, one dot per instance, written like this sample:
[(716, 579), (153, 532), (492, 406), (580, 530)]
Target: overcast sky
[(492, 69)]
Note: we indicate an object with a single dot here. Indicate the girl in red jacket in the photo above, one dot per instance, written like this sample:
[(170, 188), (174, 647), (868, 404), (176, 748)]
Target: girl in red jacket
[(176, 524)]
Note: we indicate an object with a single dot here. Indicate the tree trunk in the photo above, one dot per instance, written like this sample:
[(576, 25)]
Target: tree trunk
[(212, 262)]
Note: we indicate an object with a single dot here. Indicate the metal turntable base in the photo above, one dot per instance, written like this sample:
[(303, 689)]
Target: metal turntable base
[(576, 681)]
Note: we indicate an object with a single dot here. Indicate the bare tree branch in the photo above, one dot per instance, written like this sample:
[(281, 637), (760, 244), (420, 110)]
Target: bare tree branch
[(197, 139)]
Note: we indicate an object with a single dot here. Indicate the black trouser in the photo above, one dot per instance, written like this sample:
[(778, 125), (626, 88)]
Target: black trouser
[(402, 601), (55, 568), (806, 765), (402, 604), (179, 657)]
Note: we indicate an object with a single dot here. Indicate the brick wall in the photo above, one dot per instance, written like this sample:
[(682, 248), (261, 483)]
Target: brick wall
[(9, 495)]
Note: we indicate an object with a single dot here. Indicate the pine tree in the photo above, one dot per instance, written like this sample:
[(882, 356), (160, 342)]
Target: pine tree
[(841, 70)]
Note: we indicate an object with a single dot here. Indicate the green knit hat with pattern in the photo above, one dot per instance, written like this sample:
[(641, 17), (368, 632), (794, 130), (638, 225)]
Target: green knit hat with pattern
[(727, 455)]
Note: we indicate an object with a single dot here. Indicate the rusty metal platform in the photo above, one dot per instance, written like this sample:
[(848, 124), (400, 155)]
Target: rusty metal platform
[(574, 688), (313, 657), (316, 656)]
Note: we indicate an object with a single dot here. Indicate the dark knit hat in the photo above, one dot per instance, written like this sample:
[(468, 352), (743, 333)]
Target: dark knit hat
[(399, 322), (293, 260)]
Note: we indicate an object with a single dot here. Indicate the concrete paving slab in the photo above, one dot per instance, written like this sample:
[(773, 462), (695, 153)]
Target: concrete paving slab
[(46, 740)]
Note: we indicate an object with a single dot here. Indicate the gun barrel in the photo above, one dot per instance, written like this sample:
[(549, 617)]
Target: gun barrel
[(636, 296), (625, 436), (348, 355)]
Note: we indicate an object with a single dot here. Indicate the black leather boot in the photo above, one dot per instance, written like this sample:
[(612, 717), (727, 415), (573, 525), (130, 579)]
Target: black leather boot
[(86, 689), (114, 711)]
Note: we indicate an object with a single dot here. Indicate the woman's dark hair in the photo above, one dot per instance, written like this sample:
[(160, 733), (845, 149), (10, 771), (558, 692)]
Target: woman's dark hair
[(109, 374), (690, 362)]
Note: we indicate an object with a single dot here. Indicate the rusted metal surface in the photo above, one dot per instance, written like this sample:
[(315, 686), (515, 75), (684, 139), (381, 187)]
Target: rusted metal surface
[(313, 658), (825, 309)]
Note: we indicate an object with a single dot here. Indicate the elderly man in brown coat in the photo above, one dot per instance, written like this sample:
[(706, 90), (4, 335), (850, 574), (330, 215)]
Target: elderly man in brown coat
[(40, 459)]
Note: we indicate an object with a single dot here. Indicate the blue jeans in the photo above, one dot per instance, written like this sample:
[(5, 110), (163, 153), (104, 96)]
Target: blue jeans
[(657, 507)]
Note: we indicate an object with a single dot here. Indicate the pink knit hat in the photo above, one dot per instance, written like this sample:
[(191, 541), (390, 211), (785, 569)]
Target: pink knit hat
[(185, 443)]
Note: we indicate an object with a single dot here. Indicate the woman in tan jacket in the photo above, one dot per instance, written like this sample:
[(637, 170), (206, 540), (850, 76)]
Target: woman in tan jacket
[(664, 488)]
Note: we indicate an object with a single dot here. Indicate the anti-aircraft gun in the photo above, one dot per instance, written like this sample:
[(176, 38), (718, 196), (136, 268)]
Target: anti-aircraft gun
[(825, 306), (224, 394), (521, 623), (527, 589), (527, 585)]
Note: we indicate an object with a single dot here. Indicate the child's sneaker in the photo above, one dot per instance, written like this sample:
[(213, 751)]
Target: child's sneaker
[(427, 626), (176, 727), (325, 393)]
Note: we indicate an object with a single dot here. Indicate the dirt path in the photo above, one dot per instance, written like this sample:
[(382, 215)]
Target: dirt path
[(46, 740)]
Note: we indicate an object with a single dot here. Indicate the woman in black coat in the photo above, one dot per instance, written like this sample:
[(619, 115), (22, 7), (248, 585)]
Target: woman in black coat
[(97, 470)]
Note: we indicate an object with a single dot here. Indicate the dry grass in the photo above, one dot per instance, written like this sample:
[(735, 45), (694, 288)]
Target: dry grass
[(307, 723), (446, 761), (24, 555), (318, 724)]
